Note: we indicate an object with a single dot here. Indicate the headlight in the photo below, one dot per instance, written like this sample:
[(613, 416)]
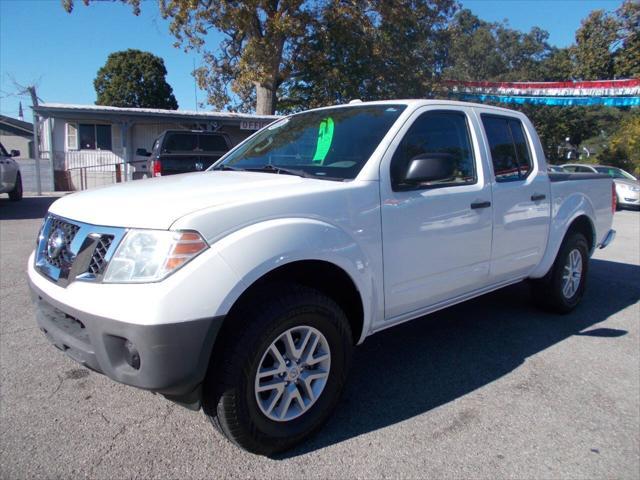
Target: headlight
[(151, 255), (635, 189)]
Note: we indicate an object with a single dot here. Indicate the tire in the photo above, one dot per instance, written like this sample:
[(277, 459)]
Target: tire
[(16, 194), (230, 398), (551, 292), (618, 206)]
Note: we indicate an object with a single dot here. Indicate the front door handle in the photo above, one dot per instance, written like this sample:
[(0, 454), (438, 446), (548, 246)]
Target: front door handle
[(538, 196), (480, 205)]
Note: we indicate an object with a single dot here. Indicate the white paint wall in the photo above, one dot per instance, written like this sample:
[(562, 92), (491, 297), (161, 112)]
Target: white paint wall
[(28, 172)]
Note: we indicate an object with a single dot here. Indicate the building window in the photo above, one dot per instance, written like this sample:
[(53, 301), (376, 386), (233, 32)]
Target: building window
[(95, 137), (72, 136)]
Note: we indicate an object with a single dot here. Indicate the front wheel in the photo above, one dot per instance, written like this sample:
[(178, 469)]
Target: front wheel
[(281, 370), (563, 287), (16, 194)]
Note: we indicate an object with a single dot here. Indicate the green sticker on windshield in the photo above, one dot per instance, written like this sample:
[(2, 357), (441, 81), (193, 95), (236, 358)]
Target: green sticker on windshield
[(325, 137)]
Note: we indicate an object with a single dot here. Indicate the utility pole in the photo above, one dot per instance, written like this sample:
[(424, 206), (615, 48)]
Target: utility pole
[(195, 84), (36, 136)]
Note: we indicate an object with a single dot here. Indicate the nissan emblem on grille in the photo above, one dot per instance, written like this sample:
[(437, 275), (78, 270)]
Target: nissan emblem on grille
[(55, 243), (57, 249)]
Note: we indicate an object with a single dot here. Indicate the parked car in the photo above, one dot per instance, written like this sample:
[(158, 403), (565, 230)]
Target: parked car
[(555, 168), (10, 178), (183, 151), (627, 186), (260, 275)]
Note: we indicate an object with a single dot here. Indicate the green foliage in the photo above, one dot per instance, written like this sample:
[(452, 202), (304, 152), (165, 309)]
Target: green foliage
[(608, 45), (262, 40), (133, 78), (480, 50), (295, 54), (594, 40), (356, 50), (627, 60), (624, 148)]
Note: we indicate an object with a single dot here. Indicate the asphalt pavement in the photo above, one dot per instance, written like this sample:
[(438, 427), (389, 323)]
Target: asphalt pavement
[(492, 388)]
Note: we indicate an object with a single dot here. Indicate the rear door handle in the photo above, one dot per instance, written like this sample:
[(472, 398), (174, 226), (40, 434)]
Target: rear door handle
[(480, 205), (538, 196)]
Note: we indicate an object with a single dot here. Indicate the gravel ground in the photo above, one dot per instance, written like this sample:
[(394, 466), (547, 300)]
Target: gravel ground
[(489, 389)]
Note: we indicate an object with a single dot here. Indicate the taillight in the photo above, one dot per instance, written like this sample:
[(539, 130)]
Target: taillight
[(613, 197), (156, 168)]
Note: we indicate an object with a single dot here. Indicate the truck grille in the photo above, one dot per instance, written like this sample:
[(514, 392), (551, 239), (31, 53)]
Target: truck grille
[(98, 261), (69, 250)]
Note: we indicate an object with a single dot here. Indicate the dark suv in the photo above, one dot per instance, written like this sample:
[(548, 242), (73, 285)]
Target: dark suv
[(182, 151)]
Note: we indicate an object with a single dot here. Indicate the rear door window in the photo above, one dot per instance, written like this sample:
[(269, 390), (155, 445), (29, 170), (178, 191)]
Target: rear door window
[(213, 143), (180, 142), (510, 152)]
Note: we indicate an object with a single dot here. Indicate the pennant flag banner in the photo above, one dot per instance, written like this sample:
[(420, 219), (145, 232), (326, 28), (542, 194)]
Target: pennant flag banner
[(615, 93), (561, 101)]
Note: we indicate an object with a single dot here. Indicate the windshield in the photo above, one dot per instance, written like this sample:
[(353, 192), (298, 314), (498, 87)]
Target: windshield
[(333, 143), (615, 173)]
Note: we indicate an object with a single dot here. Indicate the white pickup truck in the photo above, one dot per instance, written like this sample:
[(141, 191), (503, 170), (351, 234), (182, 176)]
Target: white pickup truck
[(243, 289)]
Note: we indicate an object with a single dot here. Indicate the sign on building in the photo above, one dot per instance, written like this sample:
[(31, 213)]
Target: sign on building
[(253, 124)]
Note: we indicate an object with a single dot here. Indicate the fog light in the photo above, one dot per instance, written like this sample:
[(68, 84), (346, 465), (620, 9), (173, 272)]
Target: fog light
[(131, 356)]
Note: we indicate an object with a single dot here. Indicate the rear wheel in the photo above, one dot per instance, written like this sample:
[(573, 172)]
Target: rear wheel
[(281, 370), (16, 194), (563, 287)]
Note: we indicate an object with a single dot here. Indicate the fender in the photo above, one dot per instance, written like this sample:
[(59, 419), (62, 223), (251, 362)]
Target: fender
[(564, 212), (258, 249)]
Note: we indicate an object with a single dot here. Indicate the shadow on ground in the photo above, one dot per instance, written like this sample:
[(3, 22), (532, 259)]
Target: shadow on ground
[(413, 368), (28, 208)]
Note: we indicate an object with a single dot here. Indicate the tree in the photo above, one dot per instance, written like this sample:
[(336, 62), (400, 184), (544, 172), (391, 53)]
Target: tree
[(370, 50), (557, 66), (262, 38), (265, 40), (627, 58), (473, 51), (594, 46), (133, 78), (624, 148), (480, 50)]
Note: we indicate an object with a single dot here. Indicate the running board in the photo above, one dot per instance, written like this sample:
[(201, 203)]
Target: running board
[(406, 317)]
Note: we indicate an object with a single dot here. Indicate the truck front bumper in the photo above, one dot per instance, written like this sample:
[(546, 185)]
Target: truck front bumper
[(171, 359), (629, 199)]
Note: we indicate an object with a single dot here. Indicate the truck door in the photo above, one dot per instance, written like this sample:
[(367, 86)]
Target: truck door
[(521, 203), (436, 235)]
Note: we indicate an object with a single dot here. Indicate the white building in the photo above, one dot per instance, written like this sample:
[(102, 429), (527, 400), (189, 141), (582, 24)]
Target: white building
[(93, 145)]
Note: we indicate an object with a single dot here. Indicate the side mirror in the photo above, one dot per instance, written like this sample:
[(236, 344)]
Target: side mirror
[(429, 167), (143, 152), (15, 153)]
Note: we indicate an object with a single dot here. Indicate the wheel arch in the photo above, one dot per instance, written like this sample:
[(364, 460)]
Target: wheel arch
[(321, 275), (583, 224), (580, 222)]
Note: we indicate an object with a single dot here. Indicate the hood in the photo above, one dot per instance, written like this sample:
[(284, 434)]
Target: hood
[(625, 181), (159, 202)]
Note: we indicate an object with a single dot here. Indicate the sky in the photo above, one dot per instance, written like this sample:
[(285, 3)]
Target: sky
[(61, 53)]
